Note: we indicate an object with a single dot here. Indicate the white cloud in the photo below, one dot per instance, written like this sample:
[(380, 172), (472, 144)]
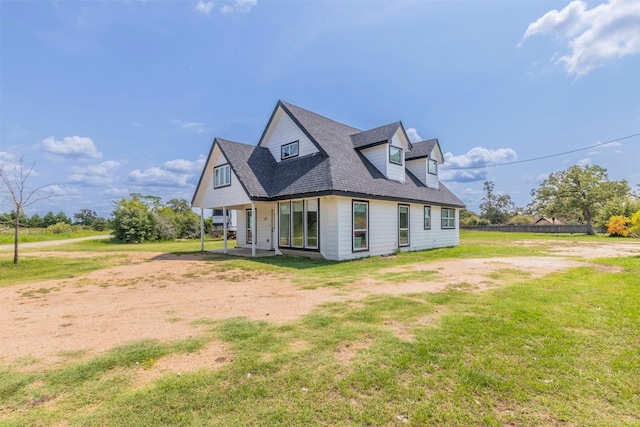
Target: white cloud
[(195, 127), (472, 165), (95, 175), (157, 177), (184, 166), (56, 190), (71, 146), (412, 133), (204, 7), (242, 6), (595, 36), (584, 162), (116, 192)]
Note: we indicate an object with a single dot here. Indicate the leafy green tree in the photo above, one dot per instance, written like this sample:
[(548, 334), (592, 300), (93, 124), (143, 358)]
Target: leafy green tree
[(35, 221), (133, 221), (577, 193), (497, 208), (85, 217), (100, 224)]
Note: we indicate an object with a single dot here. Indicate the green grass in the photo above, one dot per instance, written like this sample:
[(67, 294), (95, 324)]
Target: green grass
[(29, 235), (557, 350), (34, 269)]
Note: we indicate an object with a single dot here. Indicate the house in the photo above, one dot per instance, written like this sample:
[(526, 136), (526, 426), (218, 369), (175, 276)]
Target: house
[(315, 187)]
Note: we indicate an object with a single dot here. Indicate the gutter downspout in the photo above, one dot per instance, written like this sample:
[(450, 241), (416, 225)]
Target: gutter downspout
[(224, 229), (201, 229)]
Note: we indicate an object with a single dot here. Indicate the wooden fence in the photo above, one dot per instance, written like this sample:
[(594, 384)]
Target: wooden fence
[(530, 228)]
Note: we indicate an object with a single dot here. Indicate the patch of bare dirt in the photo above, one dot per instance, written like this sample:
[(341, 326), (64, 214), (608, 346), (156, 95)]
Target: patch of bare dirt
[(159, 296)]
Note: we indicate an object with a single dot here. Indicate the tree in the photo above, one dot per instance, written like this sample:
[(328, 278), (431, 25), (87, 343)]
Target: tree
[(19, 195), (495, 208), (85, 217), (133, 221), (577, 193)]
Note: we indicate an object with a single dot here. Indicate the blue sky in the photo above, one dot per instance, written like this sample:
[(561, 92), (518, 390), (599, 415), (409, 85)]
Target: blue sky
[(109, 98)]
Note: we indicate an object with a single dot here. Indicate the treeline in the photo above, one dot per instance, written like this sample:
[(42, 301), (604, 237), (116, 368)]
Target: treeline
[(138, 218), (85, 218), (577, 195)]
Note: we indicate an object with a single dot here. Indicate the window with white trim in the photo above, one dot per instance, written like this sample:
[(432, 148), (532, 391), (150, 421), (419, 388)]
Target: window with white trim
[(403, 225), (360, 226), (285, 223), (289, 150), (222, 176), (395, 155), (448, 218), (427, 217)]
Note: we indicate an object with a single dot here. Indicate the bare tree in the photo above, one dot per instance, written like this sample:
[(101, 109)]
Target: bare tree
[(18, 195)]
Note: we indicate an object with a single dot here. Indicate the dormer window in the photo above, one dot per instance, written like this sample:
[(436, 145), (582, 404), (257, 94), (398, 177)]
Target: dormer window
[(289, 150), (395, 155), (433, 167)]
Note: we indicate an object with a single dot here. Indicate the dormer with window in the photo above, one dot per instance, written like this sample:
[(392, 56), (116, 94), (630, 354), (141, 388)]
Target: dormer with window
[(285, 139), (385, 147), (424, 160)]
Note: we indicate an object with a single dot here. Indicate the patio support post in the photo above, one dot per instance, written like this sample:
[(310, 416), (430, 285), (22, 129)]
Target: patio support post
[(224, 229), (253, 229), (201, 229)]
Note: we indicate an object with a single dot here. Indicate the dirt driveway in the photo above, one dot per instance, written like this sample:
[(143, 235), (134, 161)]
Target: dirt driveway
[(159, 296)]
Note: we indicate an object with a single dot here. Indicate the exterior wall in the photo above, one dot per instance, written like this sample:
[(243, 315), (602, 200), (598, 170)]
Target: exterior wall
[(227, 196), (378, 156), (263, 226), (396, 172), (383, 229), (418, 167), (432, 180), (282, 131)]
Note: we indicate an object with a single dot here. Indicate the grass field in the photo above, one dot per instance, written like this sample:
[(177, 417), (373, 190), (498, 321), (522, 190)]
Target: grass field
[(557, 350), (29, 235)]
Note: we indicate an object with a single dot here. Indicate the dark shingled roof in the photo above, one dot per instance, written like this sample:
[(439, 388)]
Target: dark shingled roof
[(338, 169), (375, 136), (421, 149)]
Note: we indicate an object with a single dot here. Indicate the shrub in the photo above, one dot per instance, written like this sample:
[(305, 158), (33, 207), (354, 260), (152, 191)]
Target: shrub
[(618, 226), (59, 228), (133, 222), (634, 228)]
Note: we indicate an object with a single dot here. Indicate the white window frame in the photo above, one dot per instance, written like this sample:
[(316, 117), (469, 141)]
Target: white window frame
[(448, 221), (427, 217), (290, 150), (399, 151), (222, 176)]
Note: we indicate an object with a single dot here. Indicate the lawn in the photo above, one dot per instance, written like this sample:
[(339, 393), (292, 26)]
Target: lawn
[(556, 350), (29, 235)]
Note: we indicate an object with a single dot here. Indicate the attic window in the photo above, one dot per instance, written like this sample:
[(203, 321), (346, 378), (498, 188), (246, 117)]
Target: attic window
[(395, 155), (433, 167), (289, 150), (222, 176)]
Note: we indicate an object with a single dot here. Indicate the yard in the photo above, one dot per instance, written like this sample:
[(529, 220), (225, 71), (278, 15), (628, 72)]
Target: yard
[(504, 330)]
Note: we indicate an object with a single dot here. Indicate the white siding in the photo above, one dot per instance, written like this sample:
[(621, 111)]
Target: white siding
[(418, 167), (394, 171), (432, 180), (263, 226), (378, 156), (329, 229), (282, 131), (383, 229), (231, 195)]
